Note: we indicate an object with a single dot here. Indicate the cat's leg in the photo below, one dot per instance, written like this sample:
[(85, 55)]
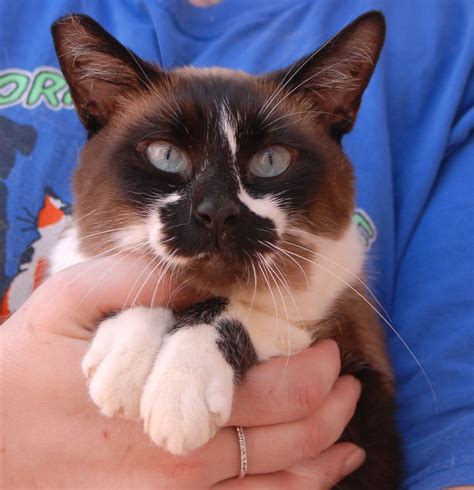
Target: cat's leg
[(121, 358), (188, 395)]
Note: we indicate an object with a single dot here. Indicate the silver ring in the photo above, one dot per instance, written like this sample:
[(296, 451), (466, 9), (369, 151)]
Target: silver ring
[(243, 451)]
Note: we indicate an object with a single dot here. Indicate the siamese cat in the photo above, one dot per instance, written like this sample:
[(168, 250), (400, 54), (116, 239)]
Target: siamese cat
[(237, 185)]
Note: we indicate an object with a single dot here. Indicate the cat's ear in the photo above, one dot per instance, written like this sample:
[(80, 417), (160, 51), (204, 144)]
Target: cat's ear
[(97, 68), (334, 77)]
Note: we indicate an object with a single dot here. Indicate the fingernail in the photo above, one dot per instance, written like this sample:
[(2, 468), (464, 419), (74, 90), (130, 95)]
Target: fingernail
[(354, 460)]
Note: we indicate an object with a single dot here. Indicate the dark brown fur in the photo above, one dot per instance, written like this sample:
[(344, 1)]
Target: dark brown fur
[(373, 426)]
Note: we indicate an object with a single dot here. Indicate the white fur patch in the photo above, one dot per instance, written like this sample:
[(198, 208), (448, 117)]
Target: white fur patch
[(121, 357), (228, 128), (169, 199), (66, 252), (157, 240), (134, 235), (273, 321), (155, 233), (336, 265), (272, 333), (265, 207), (188, 395), (156, 237)]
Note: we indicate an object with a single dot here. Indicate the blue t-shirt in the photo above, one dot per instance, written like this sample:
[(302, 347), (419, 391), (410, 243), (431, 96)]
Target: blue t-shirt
[(412, 147)]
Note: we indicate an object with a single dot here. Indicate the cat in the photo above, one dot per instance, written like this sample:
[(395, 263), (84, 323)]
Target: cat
[(238, 184)]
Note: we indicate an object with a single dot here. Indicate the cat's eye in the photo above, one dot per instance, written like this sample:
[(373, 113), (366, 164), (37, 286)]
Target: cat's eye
[(270, 162), (167, 157)]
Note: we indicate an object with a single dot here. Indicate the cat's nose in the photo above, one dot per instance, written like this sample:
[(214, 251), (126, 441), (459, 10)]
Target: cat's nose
[(216, 215)]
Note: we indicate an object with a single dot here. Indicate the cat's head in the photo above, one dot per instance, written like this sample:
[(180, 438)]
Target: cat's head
[(213, 171)]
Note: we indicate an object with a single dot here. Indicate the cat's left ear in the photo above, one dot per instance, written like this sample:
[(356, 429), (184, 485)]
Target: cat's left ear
[(98, 68), (334, 77)]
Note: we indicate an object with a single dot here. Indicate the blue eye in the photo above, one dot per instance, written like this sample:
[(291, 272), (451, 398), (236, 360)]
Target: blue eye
[(270, 162), (167, 157)]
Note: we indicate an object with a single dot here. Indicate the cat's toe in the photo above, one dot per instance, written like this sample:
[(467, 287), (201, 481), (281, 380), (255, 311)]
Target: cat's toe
[(179, 431), (184, 405), (121, 357)]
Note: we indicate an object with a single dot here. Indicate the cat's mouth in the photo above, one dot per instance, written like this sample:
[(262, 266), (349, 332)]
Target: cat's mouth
[(214, 269), (220, 251), (214, 257)]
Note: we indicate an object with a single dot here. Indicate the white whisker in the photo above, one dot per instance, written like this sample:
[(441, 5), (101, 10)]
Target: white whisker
[(345, 269), (153, 270), (278, 249), (259, 265), (288, 326), (383, 318)]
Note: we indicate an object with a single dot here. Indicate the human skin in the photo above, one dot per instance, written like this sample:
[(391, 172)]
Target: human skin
[(52, 435)]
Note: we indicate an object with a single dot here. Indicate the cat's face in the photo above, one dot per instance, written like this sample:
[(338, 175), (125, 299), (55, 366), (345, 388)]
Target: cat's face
[(212, 170)]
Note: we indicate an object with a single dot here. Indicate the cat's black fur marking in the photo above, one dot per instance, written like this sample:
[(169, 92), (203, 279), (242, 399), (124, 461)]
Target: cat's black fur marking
[(236, 346), (216, 179), (234, 341), (191, 237), (199, 313), (200, 118)]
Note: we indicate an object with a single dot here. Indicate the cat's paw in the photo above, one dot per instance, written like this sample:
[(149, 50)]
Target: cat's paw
[(121, 357), (188, 395)]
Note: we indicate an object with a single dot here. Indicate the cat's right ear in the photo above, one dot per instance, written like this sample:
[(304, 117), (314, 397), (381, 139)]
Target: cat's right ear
[(97, 68), (333, 78)]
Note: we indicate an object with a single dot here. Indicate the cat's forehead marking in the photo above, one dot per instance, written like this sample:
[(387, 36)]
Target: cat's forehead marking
[(228, 128)]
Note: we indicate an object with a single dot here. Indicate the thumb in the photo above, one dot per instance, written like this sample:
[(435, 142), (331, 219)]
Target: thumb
[(84, 294)]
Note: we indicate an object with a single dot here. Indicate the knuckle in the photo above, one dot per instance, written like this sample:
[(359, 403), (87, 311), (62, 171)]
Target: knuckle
[(288, 480), (308, 395), (312, 442)]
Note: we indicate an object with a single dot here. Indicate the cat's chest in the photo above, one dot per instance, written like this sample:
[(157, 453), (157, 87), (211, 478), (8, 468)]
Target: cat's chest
[(281, 322)]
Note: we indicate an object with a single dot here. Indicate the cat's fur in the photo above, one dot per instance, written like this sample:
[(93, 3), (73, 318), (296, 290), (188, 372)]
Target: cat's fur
[(278, 257)]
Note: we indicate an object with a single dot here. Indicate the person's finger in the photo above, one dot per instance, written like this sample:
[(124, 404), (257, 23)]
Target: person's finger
[(277, 447), (85, 293), (282, 390), (320, 473), (329, 468)]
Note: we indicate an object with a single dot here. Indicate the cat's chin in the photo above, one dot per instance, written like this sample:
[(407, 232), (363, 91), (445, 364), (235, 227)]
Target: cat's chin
[(215, 272)]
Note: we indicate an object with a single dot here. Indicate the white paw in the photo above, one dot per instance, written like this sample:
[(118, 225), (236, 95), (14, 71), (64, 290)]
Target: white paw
[(121, 357), (188, 395)]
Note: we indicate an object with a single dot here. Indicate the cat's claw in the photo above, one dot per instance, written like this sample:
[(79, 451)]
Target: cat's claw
[(121, 358), (188, 395)]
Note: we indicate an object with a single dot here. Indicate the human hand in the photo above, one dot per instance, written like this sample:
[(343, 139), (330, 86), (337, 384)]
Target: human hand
[(52, 435)]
